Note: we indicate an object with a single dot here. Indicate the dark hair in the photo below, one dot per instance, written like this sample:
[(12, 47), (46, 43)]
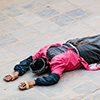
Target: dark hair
[(38, 65)]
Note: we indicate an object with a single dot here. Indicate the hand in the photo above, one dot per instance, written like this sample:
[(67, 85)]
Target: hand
[(26, 85), (11, 77)]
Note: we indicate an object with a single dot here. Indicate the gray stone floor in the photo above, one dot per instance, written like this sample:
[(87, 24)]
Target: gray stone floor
[(28, 25)]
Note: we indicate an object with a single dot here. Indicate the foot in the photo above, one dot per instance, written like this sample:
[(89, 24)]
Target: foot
[(11, 77), (26, 85)]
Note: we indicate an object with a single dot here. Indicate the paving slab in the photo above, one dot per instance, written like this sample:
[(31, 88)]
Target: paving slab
[(28, 25)]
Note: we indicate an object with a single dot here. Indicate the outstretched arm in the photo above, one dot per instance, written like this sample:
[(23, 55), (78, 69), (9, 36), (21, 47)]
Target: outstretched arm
[(42, 81), (48, 80), (57, 68), (11, 77), (53, 78), (19, 69), (23, 66)]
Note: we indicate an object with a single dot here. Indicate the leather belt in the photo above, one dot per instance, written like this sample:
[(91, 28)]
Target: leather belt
[(70, 45)]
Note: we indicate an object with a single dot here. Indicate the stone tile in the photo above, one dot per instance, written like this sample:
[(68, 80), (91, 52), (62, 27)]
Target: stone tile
[(34, 38), (28, 19), (36, 42), (30, 95), (14, 27), (3, 33), (6, 57), (92, 96), (6, 40), (23, 2), (67, 95), (96, 96), (70, 17), (28, 25), (62, 19), (94, 21), (7, 88), (45, 27), (82, 72), (2, 90), (71, 80), (24, 34), (85, 33), (89, 75), (96, 80), (87, 98), (77, 14), (59, 37), (11, 87), (44, 2), (13, 11), (8, 98), (89, 5), (53, 91), (32, 6), (83, 3), (35, 5), (59, 32), (13, 91), (4, 4), (93, 74), (79, 98), (3, 17), (93, 8), (80, 29), (86, 88), (41, 40), (22, 48), (19, 49), (63, 6), (10, 25), (46, 12), (8, 67)]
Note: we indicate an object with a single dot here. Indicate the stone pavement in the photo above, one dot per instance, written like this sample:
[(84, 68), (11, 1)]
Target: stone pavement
[(28, 25)]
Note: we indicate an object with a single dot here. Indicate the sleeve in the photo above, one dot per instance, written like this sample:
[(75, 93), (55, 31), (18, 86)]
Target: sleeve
[(47, 80), (57, 65), (23, 66)]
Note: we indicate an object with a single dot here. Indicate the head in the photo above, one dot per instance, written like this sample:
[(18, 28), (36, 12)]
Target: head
[(38, 66)]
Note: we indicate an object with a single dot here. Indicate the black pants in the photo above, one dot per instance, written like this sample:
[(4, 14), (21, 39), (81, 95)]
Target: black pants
[(89, 49)]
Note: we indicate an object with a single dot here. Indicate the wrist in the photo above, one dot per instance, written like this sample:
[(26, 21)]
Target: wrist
[(34, 83), (16, 73)]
